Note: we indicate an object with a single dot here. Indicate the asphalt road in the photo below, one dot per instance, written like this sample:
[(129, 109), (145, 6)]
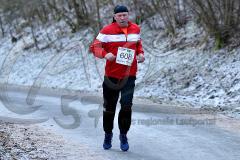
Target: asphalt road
[(158, 132)]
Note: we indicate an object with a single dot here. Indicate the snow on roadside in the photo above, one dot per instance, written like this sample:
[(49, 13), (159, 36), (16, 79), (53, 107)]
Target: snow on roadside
[(25, 142), (176, 72)]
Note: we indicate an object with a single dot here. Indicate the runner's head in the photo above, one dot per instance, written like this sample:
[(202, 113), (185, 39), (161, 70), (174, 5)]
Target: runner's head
[(121, 16)]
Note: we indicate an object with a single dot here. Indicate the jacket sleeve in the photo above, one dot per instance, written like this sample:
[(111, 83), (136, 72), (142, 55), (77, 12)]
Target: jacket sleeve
[(97, 47), (139, 47)]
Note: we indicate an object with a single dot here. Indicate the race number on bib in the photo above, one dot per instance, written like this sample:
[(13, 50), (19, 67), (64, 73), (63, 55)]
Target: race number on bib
[(125, 56)]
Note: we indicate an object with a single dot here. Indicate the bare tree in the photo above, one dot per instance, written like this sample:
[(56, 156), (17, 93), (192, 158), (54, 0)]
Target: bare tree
[(74, 21), (219, 18), (1, 26), (62, 14), (42, 12), (171, 13), (77, 11), (98, 15)]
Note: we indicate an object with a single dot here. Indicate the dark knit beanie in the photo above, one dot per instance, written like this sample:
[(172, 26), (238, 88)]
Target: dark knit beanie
[(119, 9)]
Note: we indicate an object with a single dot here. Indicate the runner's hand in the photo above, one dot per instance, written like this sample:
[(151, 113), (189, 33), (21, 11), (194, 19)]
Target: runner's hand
[(140, 58), (110, 57)]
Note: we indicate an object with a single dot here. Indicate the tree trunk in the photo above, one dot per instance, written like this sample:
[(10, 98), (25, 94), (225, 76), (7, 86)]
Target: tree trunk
[(1, 25), (77, 12), (98, 15)]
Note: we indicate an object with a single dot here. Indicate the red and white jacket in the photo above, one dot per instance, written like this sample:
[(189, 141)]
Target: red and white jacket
[(109, 39)]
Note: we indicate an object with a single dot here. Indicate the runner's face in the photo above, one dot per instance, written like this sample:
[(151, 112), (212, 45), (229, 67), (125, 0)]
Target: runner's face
[(122, 19)]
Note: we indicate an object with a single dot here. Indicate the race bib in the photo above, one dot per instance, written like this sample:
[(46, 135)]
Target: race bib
[(125, 56)]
